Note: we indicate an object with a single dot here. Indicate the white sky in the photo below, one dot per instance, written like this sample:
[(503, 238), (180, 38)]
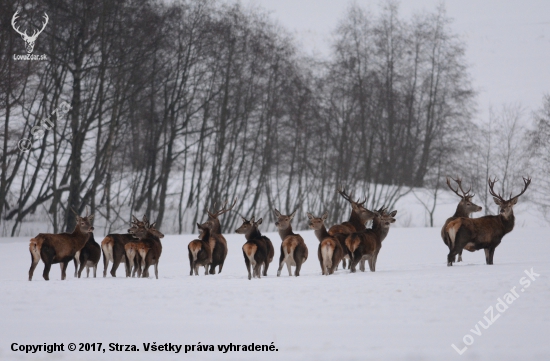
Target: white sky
[(508, 42)]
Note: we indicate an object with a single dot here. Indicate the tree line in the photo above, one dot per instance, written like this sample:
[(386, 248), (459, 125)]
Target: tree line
[(177, 107)]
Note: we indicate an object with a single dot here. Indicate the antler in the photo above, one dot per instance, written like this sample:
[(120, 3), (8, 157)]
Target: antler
[(223, 210), (526, 182), (458, 181), (347, 197), (491, 191), (17, 28)]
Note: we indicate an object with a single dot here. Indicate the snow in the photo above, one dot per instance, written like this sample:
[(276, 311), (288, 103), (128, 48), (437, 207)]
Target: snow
[(412, 308)]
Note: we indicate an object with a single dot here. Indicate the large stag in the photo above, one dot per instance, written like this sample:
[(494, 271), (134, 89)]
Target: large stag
[(357, 222), (29, 40), (218, 244), (464, 209), (330, 251), (365, 245), (485, 232), (293, 248), (59, 248)]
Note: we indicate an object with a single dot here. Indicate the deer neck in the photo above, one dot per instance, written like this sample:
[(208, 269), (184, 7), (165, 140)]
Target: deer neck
[(508, 223), (206, 235), (216, 227), (460, 212), (80, 236), (356, 220), (321, 233), (380, 230), (283, 233), (252, 234)]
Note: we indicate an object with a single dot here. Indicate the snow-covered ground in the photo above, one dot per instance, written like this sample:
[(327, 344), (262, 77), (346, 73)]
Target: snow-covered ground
[(413, 307)]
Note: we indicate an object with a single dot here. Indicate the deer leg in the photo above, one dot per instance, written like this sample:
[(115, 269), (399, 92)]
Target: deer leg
[(281, 259), (362, 264), (105, 263), (460, 256), (46, 273), (116, 263), (247, 263), (34, 263), (64, 270), (76, 261), (95, 269), (220, 267), (82, 265), (298, 262), (266, 266), (157, 269), (353, 263), (343, 263)]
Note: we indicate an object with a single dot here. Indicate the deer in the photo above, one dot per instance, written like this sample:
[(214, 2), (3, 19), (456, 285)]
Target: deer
[(200, 253), (218, 244), (473, 234), (330, 251), (131, 251), (258, 250), (366, 245), (87, 257), (464, 209), (113, 250), (60, 247), (357, 222), (149, 246), (29, 40), (293, 248)]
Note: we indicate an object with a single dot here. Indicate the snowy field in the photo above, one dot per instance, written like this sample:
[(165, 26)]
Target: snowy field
[(413, 308)]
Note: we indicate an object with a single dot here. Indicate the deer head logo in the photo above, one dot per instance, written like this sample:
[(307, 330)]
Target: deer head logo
[(29, 40)]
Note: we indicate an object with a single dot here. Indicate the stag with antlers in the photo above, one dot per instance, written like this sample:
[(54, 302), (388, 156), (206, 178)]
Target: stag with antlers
[(218, 244), (358, 218), (486, 232), (29, 40), (464, 209)]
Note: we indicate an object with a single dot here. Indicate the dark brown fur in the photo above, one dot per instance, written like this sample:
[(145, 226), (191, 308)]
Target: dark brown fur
[(149, 246), (113, 250), (88, 257), (486, 232), (366, 245), (293, 248), (256, 250), (464, 209), (218, 243), (59, 248)]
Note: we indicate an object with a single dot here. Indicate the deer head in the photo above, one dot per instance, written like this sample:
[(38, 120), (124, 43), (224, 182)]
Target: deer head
[(505, 206), (465, 203), (317, 223), (213, 221), (358, 207), (248, 225), (29, 40), (84, 223), (283, 222)]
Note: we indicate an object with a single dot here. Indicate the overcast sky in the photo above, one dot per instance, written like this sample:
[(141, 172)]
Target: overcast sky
[(508, 42)]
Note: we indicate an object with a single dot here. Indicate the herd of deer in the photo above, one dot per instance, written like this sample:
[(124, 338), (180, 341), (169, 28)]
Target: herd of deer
[(350, 241)]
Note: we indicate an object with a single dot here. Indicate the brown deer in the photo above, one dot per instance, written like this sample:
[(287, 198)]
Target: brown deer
[(59, 248), (218, 244), (113, 249), (131, 251), (258, 250), (366, 245), (293, 248), (485, 232), (149, 246), (357, 222), (87, 257), (464, 209), (330, 251), (200, 253)]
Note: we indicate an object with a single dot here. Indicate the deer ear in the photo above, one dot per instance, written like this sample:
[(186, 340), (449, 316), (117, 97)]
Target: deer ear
[(293, 214), (324, 216), (153, 225), (252, 219), (497, 201), (277, 213), (135, 219), (309, 215), (259, 221), (199, 226), (244, 219), (393, 213), (514, 201), (90, 218)]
